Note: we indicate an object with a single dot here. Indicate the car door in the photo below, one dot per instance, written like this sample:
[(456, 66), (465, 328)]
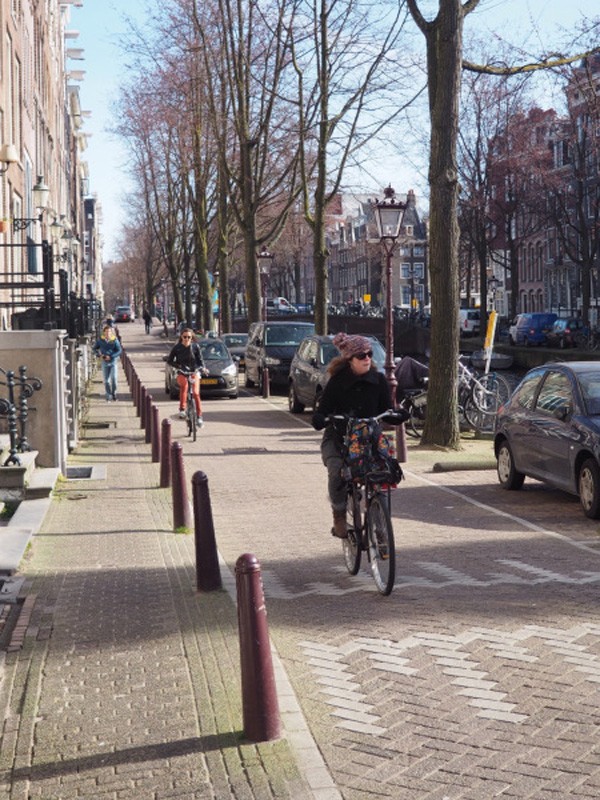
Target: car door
[(552, 436)]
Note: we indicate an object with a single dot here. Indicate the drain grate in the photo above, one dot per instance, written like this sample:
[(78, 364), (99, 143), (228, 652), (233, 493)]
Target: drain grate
[(241, 450), (84, 473), (78, 473)]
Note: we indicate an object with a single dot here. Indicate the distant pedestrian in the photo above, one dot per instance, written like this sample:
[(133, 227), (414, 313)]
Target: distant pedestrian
[(109, 349), (147, 320)]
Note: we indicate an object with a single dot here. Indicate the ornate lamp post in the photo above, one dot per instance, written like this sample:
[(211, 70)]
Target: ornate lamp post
[(41, 195), (389, 213), (264, 260)]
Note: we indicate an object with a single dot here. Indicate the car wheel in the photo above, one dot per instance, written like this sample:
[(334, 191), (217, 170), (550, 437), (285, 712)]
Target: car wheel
[(508, 476), (295, 406), (589, 488)]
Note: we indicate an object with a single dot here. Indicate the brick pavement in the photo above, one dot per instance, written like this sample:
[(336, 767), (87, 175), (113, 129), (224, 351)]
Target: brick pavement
[(125, 682), (478, 677)]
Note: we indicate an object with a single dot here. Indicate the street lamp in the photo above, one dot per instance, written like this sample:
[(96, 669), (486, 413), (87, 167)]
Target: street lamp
[(388, 214), (41, 194), (264, 260)]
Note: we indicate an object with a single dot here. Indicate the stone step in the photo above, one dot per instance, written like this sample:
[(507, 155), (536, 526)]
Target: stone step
[(14, 479), (42, 482)]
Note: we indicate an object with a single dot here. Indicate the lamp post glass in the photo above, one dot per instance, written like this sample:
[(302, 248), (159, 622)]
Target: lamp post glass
[(264, 260), (389, 213)]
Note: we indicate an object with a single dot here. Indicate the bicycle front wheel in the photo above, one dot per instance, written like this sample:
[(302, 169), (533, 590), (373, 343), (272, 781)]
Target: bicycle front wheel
[(352, 545), (191, 421), (382, 553), (489, 392)]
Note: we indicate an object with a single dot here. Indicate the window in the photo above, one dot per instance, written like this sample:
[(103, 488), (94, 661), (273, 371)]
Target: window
[(555, 393), (525, 392)]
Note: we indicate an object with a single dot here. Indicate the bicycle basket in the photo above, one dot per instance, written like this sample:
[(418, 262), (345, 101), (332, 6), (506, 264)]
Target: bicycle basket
[(370, 451)]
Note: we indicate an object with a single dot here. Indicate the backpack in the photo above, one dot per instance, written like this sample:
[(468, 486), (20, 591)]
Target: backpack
[(367, 449)]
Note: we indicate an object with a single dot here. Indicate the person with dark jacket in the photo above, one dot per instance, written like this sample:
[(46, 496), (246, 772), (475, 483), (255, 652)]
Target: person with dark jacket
[(186, 355), (356, 388)]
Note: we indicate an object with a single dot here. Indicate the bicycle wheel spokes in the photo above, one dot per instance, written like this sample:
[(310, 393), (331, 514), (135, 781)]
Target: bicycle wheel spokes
[(490, 392), (382, 554), (352, 545), (191, 421)]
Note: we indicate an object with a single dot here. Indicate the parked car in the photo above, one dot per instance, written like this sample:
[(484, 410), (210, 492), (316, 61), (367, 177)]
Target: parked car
[(470, 321), (550, 430), (308, 370), (533, 328), (236, 344), (272, 345), (565, 332), (222, 378), (123, 314)]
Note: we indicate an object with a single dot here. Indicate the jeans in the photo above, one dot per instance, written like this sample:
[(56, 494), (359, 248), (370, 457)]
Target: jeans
[(332, 458), (109, 374)]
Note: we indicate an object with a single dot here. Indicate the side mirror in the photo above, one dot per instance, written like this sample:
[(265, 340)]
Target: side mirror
[(563, 412)]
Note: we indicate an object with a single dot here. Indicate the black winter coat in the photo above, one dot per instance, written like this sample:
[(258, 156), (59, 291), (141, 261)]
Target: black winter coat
[(186, 358), (354, 395)]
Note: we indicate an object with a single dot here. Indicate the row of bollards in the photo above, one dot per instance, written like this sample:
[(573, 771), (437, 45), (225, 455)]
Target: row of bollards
[(261, 719)]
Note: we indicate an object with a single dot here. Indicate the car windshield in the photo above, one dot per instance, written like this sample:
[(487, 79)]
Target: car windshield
[(285, 334), (590, 389), (214, 351), (328, 351), (378, 352)]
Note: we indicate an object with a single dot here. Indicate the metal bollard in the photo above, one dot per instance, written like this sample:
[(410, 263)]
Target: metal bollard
[(138, 396), (148, 418), (259, 694), (401, 451), (208, 574), (143, 394), (181, 505), (265, 382), (165, 454), (155, 435)]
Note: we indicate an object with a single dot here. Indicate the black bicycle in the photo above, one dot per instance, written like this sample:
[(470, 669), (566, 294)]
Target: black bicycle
[(368, 517), (190, 406)]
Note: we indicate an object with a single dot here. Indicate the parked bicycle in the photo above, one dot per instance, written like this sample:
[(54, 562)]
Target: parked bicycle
[(368, 517), (414, 402), (480, 396)]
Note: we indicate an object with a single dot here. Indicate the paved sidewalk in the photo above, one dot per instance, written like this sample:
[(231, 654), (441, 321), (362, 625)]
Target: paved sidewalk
[(122, 681)]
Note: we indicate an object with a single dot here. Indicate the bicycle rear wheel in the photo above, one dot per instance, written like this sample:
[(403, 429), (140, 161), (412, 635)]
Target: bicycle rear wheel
[(491, 391), (352, 545), (382, 553)]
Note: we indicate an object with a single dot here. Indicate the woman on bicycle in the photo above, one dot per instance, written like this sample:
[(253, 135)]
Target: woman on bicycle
[(186, 355), (357, 389)]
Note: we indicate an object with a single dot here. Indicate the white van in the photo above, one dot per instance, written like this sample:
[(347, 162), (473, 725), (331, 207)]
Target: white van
[(280, 306), (469, 321)]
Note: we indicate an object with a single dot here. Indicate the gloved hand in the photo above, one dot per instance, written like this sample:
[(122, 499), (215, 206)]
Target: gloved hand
[(318, 421)]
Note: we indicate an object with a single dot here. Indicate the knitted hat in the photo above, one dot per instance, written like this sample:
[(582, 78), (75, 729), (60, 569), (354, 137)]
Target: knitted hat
[(350, 346)]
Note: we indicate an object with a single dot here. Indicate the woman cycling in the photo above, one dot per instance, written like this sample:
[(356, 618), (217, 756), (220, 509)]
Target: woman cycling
[(186, 355), (357, 389)]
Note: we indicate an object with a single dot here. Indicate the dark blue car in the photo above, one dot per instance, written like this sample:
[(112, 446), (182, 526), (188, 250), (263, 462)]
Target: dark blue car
[(549, 429)]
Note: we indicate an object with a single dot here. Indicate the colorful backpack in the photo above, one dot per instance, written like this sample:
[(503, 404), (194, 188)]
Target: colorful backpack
[(368, 449)]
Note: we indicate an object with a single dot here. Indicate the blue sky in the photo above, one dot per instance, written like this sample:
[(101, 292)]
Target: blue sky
[(102, 22)]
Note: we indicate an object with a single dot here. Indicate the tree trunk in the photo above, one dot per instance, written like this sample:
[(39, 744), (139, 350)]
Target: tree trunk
[(444, 54)]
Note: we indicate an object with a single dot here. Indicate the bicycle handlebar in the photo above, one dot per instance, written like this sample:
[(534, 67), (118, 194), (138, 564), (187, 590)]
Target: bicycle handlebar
[(397, 417)]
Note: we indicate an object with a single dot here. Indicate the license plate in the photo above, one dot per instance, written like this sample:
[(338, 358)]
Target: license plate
[(209, 381)]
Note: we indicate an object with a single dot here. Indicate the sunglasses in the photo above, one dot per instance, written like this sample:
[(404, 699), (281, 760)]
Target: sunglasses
[(363, 356), (186, 337)]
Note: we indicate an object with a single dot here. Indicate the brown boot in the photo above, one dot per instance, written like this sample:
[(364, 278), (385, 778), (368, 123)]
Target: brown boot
[(339, 525)]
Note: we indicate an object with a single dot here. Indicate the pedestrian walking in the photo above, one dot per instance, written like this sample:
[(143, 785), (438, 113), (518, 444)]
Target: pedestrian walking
[(147, 320), (108, 348)]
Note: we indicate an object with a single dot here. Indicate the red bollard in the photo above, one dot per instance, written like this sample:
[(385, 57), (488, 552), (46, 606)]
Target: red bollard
[(181, 505), (155, 437), (148, 418), (259, 694), (143, 394), (265, 383), (208, 574), (165, 454), (138, 394)]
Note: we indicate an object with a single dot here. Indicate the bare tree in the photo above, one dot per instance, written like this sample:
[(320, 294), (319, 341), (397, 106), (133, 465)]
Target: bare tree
[(444, 44)]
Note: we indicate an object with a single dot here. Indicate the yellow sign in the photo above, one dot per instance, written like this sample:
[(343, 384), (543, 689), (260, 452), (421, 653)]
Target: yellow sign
[(367, 298)]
